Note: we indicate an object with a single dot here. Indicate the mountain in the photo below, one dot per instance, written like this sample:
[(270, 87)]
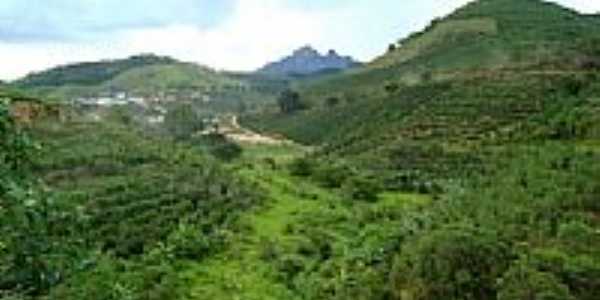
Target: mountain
[(485, 35), (307, 61), (493, 71)]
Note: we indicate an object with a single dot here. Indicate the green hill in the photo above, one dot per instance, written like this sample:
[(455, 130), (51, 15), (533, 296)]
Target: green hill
[(494, 112), (169, 77), (154, 77), (147, 75), (485, 35), (88, 74), (470, 78)]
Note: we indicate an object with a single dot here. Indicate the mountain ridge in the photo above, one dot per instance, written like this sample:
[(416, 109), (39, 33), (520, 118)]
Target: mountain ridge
[(306, 60)]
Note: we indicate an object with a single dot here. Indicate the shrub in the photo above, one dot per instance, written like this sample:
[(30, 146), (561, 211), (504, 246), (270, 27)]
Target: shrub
[(362, 188), (332, 175), (454, 262), (220, 147), (522, 282), (289, 102), (301, 167), (332, 101)]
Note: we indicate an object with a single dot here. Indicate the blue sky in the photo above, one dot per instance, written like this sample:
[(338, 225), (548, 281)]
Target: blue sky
[(224, 34)]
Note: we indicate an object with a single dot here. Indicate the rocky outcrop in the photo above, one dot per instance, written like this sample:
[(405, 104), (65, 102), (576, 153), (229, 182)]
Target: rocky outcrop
[(306, 61)]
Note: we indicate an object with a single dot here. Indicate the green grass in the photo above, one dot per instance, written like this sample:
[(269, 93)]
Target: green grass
[(250, 268)]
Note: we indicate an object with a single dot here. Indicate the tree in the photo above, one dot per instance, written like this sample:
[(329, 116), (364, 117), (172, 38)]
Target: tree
[(301, 167), (332, 101), (392, 48), (332, 175), (289, 102), (220, 147), (391, 87), (455, 262), (182, 121), (26, 215), (362, 188)]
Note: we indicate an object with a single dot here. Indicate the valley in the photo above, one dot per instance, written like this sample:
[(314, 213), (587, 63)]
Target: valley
[(461, 164)]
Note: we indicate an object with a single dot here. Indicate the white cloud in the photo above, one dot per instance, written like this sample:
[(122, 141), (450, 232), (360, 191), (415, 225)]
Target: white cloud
[(583, 6), (255, 32)]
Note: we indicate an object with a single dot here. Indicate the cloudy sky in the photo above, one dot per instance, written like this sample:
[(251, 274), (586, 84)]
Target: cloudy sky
[(223, 34)]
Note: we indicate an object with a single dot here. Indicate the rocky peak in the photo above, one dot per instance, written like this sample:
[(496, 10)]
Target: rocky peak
[(307, 60), (306, 51)]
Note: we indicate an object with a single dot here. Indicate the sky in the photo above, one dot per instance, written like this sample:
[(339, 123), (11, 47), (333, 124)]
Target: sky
[(235, 35)]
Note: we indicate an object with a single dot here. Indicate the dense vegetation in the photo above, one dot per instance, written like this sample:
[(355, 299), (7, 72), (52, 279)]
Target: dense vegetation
[(446, 169), (113, 204), (502, 134)]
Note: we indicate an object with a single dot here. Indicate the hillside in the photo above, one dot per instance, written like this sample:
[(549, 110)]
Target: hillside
[(486, 35), (492, 111), (151, 83), (463, 164), (144, 74), (88, 74), (488, 44)]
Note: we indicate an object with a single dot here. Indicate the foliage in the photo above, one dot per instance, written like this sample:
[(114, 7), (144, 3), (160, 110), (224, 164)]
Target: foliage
[(33, 241), (183, 121), (522, 282), (454, 262), (331, 175), (219, 146), (289, 102), (362, 188), (302, 167)]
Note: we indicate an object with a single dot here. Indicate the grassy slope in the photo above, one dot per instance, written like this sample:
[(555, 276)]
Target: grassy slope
[(141, 74), (283, 230), (175, 76), (88, 74)]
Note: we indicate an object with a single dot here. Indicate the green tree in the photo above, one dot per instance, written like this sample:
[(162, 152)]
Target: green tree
[(26, 215), (362, 188), (522, 282), (392, 48), (454, 262), (391, 87), (301, 167), (182, 121), (289, 102), (332, 101)]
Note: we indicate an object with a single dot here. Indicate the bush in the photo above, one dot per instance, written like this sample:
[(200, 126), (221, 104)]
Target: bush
[(302, 167), (332, 175), (362, 188), (454, 262), (220, 147), (581, 273), (522, 282)]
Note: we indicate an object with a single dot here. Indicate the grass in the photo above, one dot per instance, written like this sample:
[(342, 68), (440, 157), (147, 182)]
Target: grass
[(251, 267)]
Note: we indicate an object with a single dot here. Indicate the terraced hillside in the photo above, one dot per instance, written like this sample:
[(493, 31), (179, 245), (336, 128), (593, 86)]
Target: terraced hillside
[(469, 96), (88, 205), (485, 35)]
